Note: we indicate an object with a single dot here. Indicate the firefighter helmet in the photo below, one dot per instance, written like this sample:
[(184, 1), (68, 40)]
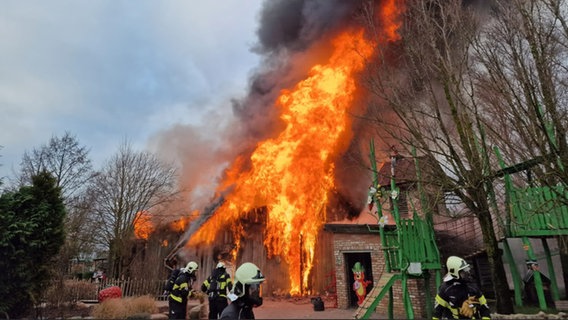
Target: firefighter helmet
[(455, 265), (247, 274), (191, 266), (220, 265)]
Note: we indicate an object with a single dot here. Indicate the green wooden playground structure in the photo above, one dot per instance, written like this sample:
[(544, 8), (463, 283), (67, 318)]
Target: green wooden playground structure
[(533, 212), (409, 250)]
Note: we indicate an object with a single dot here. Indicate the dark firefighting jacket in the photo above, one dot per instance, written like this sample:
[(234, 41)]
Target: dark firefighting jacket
[(217, 284), (182, 287), (451, 296)]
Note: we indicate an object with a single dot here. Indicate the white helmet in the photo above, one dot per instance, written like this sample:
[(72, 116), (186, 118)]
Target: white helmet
[(247, 274), (220, 265), (191, 266), (455, 265)]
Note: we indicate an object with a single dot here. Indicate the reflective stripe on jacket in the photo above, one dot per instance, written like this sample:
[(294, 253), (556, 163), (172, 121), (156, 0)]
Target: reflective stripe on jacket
[(180, 291), (451, 296), (224, 283)]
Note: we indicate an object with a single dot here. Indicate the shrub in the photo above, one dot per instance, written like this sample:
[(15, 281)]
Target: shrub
[(32, 229), (110, 309), (124, 308), (143, 304), (71, 291)]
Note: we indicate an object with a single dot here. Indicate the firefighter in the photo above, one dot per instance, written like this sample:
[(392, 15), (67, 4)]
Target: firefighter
[(171, 280), (182, 289), (216, 286), (246, 293), (458, 297)]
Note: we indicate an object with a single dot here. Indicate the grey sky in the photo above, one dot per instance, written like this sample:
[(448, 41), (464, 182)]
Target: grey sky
[(113, 70)]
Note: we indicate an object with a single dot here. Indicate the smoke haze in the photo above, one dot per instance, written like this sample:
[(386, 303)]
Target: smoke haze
[(293, 35)]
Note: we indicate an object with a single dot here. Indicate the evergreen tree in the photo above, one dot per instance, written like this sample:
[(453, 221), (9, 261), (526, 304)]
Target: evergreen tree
[(31, 234)]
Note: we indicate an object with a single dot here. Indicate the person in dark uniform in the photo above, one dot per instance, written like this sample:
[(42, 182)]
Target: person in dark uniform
[(529, 293), (182, 289), (216, 286), (458, 297), (246, 294)]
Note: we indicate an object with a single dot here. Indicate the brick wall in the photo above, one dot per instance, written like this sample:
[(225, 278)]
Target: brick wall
[(350, 243), (346, 243)]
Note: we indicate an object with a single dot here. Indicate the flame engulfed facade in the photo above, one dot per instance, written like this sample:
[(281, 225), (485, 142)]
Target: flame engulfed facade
[(292, 174)]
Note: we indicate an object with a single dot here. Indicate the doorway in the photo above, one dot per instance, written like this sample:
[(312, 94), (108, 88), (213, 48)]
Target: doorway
[(359, 272)]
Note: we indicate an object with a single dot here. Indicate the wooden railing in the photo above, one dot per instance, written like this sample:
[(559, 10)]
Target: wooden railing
[(417, 244), (539, 211)]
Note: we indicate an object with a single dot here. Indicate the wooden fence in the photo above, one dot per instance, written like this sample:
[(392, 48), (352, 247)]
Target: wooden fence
[(85, 290)]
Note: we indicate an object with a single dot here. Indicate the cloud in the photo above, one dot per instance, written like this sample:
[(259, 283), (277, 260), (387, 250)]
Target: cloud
[(110, 70)]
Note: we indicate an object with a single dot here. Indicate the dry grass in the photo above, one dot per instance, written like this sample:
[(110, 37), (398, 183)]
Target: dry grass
[(124, 308), (199, 296), (70, 291)]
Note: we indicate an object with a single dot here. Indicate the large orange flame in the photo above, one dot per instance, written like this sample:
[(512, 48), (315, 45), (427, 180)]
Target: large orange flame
[(143, 225), (291, 175), (390, 15), (181, 224)]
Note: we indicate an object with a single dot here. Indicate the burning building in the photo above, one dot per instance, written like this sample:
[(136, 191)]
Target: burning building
[(300, 165), (298, 149)]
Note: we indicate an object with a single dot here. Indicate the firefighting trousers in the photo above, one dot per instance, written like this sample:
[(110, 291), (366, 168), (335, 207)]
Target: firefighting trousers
[(177, 310), (216, 306)]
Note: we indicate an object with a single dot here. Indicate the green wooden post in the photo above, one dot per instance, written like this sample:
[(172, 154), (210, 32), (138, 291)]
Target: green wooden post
[(536, 275), (406, 297), (394, 196), (395, 192), (554, 287), (390, 308), (509, 189), (377, 202), (551, 272), (514, 273), (433, 254)]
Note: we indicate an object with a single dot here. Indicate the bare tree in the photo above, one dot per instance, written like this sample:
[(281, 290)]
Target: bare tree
[(129, 183), (64, 158), (427, 100), (522, 75), (69, 163)]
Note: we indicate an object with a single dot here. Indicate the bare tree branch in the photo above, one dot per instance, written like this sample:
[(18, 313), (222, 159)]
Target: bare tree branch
[(129, 183)]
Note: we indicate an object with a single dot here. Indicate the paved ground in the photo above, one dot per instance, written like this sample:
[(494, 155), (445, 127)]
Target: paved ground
[(275, 308), (289, 309), (280, 308)]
